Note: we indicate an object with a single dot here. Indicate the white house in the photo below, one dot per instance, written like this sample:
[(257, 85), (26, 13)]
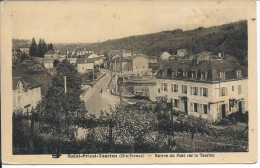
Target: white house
[(211, 89), (140, 64), (25, 97), (182, 52), (84, 65), (165, 56)]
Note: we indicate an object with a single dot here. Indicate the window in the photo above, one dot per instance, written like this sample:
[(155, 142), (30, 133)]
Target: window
[(184, 89), (164, 87), (238, 73), (223, 91), (143, 66), (222, 75), (205, 109), (233, 88), (239, 89), (175, 103), (159, 90), (174, 88), (195, 107), (194, 91), (204, 92)]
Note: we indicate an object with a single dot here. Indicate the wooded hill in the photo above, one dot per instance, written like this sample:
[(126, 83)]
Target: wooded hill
[(229, 38)]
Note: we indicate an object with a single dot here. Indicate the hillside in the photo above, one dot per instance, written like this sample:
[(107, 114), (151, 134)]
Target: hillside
[(228, 38)]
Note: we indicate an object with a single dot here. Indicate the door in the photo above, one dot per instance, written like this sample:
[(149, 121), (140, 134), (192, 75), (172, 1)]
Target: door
[(223, 107), (240, 107), (186, 107)]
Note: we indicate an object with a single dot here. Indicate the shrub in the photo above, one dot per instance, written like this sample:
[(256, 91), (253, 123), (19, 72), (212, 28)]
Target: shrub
[(224, 122), (238, 116), (177, 113)]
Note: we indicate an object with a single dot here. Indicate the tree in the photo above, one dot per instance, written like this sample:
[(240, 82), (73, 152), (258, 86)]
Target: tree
[(50, 47), (44, 46), (59, 110), (33, 48), (40, 49), (132, 124)]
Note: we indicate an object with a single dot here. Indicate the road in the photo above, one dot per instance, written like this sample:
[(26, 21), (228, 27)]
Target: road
[(97, 101)]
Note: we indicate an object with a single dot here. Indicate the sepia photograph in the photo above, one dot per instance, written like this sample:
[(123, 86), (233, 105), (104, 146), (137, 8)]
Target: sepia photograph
[(141, 79)]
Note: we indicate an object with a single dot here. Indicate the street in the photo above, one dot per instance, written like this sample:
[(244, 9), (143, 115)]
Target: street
[(97, 101)]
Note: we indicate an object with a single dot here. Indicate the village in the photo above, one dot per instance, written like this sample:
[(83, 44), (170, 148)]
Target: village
[(203, 85), (88, 98)]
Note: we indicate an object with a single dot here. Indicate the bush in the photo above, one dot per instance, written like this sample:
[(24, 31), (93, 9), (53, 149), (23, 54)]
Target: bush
[(238, 116), (177, 113), (224, 122)]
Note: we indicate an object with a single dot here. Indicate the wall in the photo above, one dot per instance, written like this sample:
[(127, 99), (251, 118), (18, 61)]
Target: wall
[(22, 98), (140, 65), (83, 68)]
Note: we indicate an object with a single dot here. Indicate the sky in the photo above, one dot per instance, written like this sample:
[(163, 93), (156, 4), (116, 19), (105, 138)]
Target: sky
[(89, 21)]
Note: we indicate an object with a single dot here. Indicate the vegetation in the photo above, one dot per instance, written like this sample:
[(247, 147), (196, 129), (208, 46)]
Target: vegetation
[(41, 49), (33, 73), (228, 38)]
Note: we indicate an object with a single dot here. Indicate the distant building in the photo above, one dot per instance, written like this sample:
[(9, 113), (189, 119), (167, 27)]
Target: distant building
[(85, 65), (182, 52), (25, 96), (51, 55), (48, 64), (72, 59), (152, 59), (93, 56), (165, 56), (127, 53), (211, 89), (25, 50), (140, 64)]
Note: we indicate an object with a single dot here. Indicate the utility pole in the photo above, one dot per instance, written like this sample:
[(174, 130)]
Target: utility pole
[(65, 84), (93, 72)]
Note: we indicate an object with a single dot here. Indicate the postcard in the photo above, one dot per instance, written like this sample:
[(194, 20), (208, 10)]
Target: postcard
[(128, 82)]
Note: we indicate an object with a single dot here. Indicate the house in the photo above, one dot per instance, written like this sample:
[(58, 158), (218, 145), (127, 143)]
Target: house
[(51, 55), (84, 65), (48, 64), (165, 56), (182, 52), (72, 59), (152, 59), (25, 96), (140, 64), (127, 53), (93, 56), (211, 89), (113, 53), (25, 50)]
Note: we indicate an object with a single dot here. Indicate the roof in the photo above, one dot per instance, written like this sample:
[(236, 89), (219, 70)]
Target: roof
[(15, 82), (26, 81), (50, 52), (112, 53), (93, 56), (85, 60), (152, 57), (213, 67)]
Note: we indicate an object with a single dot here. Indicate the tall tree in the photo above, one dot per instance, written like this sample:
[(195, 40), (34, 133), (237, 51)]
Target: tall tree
[(44, 46), (60, 109), (40, 49), (50, 47), (33, 48)]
